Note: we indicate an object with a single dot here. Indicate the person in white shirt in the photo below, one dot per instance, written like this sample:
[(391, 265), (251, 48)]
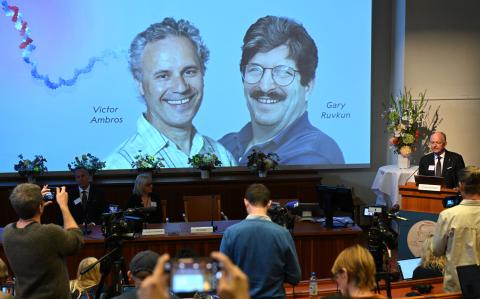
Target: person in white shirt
[(457, 232), (168, 62)]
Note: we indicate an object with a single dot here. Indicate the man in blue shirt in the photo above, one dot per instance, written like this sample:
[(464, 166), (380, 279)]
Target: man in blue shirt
[(264, 250), (278, 64)]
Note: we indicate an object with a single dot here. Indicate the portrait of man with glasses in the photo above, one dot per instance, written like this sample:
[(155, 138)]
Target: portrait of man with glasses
[(278, 64)]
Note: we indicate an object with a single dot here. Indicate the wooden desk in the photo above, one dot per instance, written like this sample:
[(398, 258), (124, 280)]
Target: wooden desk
[(317, 247), (399, 288), (423, 201)]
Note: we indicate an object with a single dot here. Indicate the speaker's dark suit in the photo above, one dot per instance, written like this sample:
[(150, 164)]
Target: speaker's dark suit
[(96, 205), (452, 164)]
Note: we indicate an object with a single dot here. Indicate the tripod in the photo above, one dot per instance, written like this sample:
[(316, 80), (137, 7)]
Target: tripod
[(113, 259)]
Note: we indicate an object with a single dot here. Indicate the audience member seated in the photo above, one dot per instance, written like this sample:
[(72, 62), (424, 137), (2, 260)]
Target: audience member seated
[(264, 250), (354, 273), (85, 286), (233, 283), (457, 232), (3, 279), (87, 201), (37, 252), (142, 197), (141, 266), (430, 266)]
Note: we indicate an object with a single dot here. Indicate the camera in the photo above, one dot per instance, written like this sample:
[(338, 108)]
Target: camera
[(193, 275), (126, 225), (380, 236), (371, 211), (451, 201), (50, 195), (281, 216)]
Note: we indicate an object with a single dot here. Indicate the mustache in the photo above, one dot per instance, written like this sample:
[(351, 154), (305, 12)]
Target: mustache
[(273, 94)]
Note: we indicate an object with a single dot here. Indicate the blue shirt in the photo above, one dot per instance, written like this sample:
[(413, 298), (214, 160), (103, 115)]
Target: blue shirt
[(299, 143), (265, 251)]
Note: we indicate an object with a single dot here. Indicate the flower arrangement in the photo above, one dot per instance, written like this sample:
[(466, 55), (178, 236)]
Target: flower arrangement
[(206, 161), (146, 162), (404, 117), (261, 162), (27, 167), (87, 161)]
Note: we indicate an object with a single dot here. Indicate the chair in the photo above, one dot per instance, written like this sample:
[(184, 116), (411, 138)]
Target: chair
[(202, 207)]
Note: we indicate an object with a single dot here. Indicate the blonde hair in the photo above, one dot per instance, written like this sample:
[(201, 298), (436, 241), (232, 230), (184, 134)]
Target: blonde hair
[(87, 280), (359, 264), (428, 259), (3, 271), (140, 183)]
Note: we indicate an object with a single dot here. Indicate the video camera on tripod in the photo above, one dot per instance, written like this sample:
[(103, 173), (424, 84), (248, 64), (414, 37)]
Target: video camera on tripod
[(125, 225), (281, 216), (381, 237)]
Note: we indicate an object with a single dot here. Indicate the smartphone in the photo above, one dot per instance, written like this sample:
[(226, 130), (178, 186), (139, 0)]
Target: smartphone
[(193, 275), (50, 195)]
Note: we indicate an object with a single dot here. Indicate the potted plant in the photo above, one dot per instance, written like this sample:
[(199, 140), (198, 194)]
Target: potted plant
[(261, 163), (31, 168), (204, 162), (146, 162), (404, 117), (88, 161)]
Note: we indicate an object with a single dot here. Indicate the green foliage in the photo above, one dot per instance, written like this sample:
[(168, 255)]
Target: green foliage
[(206, 161)]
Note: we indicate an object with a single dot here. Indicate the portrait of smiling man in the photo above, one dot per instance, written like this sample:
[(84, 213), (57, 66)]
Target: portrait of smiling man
[(167, 61), (278, 64)]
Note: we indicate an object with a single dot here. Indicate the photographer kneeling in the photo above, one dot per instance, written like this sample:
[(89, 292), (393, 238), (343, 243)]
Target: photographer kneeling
[(37, 252)]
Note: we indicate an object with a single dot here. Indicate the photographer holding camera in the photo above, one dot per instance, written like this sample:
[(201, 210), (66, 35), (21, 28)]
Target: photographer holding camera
[(232, 285), (457, 232), (36, 252)]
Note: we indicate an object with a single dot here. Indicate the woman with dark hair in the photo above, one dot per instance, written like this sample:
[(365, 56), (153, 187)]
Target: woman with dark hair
[(143, 197)]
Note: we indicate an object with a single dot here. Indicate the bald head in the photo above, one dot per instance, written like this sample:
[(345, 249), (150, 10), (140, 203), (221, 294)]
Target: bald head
[(438, 142)]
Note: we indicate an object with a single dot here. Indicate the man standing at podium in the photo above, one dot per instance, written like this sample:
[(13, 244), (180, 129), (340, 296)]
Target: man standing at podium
[(457, 232), (441, 162)]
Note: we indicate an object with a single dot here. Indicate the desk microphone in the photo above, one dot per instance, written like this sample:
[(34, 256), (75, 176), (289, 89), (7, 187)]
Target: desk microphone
[(224, 216), (410, 176)]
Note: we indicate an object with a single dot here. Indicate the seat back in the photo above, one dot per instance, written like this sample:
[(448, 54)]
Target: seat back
[(202, 207)]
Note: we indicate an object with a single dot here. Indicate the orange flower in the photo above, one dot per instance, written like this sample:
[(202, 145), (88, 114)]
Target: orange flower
[(394, 140)]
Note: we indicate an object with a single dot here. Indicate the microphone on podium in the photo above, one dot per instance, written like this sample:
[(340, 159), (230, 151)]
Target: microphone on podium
[(410, 176)]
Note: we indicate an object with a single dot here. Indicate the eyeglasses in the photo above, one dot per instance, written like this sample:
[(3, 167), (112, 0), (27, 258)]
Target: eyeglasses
[(281, 74)]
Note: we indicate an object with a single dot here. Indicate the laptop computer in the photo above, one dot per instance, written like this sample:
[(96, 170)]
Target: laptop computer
[(430, 180), (407, 266)]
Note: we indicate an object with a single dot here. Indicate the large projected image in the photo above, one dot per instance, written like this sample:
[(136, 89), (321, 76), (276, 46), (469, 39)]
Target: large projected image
[(177, 79)]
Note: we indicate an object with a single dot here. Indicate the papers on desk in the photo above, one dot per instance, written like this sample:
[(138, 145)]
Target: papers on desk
[(153, 231)]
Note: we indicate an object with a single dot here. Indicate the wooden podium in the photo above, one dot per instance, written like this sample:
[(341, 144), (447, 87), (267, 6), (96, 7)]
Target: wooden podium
[(423, 201), (421, 208)]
